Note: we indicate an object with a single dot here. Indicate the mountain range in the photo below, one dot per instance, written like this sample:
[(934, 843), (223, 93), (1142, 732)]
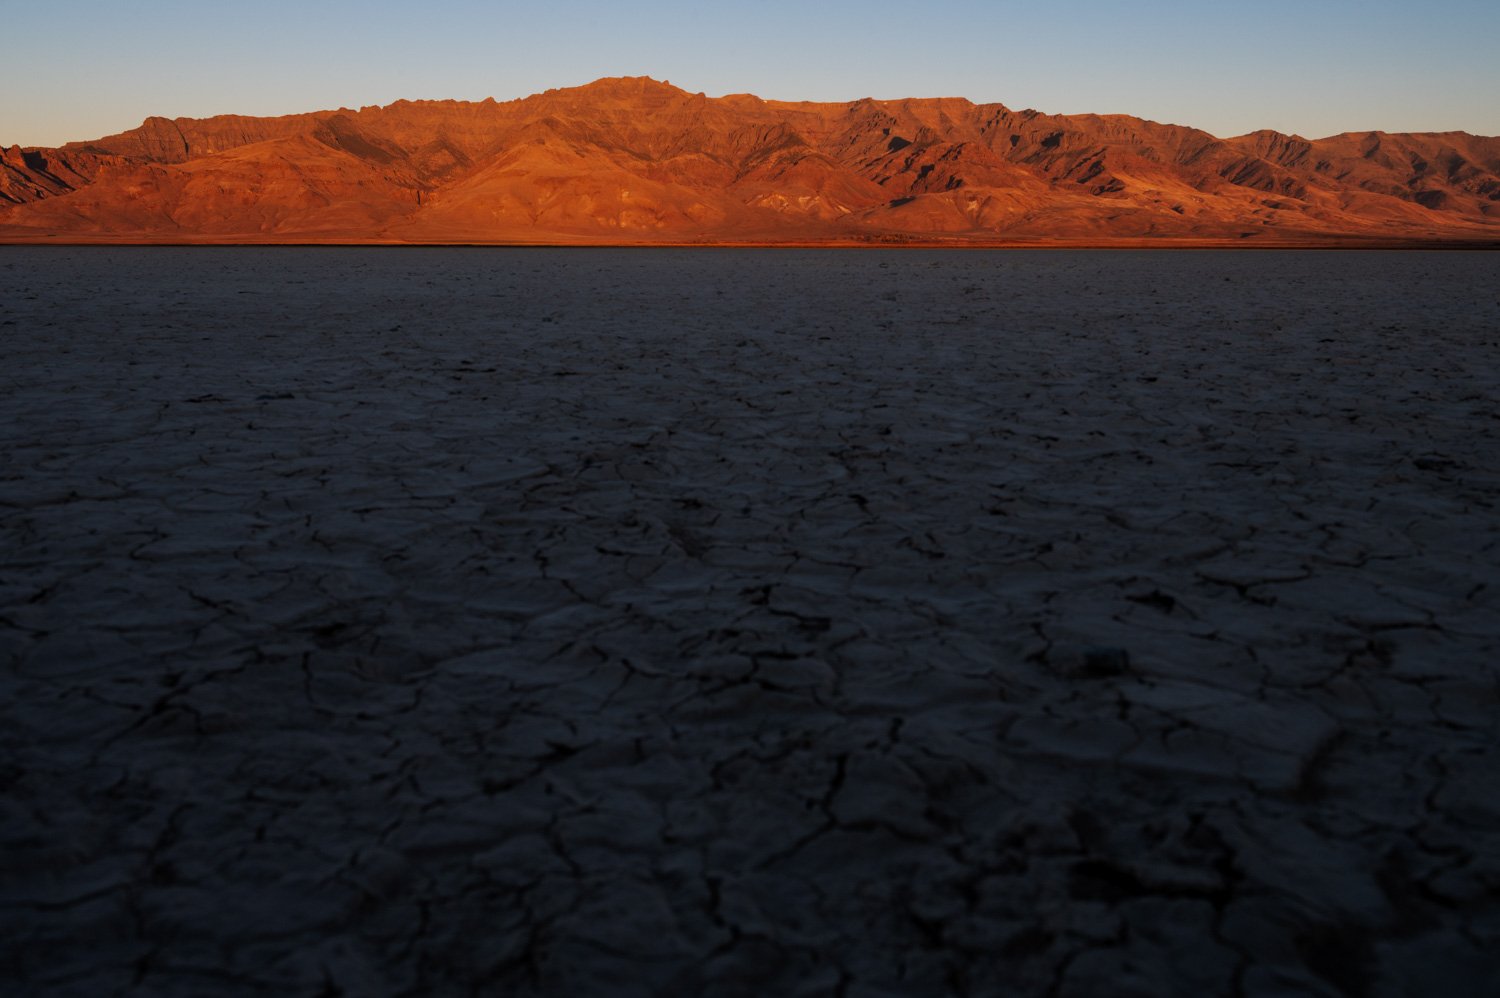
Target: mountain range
[(634, 160)]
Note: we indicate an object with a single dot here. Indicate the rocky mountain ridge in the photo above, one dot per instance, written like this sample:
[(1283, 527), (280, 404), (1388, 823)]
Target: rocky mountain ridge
[(634, 160)]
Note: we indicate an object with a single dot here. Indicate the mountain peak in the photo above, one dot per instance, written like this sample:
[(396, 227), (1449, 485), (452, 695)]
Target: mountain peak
[(624, 85)]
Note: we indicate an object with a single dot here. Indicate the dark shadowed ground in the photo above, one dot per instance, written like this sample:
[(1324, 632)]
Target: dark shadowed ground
[(749, 622)]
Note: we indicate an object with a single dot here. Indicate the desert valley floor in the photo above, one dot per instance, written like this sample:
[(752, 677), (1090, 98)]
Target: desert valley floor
[(749, 622)]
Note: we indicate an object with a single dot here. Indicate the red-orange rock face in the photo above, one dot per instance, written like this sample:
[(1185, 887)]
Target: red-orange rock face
[(637, 161)]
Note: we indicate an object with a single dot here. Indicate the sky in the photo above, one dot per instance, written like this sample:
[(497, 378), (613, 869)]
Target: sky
[(81, 69)]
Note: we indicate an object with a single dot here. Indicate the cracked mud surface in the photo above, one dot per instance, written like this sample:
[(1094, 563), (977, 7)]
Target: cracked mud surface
[(741, 622)]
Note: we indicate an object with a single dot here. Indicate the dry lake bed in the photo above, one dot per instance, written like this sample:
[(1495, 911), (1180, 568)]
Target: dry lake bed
[(682, 622)]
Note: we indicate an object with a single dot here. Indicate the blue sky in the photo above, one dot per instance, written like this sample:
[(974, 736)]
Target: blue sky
[(75, 69)]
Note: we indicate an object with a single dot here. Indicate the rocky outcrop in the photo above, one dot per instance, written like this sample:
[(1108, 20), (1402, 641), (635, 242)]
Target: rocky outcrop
[(34, 174), (637, 160)]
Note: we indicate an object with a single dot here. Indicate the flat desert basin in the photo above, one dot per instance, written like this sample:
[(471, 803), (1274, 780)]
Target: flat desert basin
[(512, 621)]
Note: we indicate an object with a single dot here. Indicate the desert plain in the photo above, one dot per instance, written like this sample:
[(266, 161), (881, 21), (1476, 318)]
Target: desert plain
[(656, 621)]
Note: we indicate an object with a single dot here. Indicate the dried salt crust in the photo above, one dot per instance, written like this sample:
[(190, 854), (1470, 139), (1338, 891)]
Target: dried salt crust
[(749, 622)]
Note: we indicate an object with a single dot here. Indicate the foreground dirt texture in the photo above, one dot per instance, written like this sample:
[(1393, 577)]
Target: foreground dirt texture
[(634, 160), (576, 622)]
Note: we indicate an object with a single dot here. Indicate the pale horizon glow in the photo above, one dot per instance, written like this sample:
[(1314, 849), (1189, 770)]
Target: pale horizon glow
[(78, 70)]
